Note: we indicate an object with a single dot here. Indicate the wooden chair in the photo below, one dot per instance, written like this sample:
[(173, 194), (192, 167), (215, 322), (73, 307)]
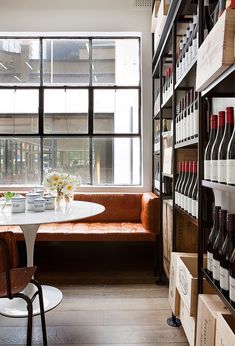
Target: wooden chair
[(13, 281)]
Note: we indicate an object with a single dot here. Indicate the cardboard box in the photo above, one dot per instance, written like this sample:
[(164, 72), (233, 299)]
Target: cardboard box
[(209, 306), (216, 53), (225, 330), (186, 234), (188, 323), (167, 229), (173, 295), (187, 282)]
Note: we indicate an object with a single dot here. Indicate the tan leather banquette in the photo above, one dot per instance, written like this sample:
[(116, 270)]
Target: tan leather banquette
[(127, 217)]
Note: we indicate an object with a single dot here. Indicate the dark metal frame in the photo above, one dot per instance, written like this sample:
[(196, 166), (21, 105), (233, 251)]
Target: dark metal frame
[(29, 301), (91, 88)]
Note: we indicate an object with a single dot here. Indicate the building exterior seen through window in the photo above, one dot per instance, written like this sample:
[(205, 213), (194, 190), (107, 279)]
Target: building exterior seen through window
[(70, 104)]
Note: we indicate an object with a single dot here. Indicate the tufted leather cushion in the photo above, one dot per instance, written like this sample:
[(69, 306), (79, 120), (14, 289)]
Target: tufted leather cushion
[(118, 207)]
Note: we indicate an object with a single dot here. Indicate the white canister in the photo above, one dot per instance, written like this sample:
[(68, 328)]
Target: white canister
[(18, 204), (39, 190), (30, 197), (39, 204), (50, 202)]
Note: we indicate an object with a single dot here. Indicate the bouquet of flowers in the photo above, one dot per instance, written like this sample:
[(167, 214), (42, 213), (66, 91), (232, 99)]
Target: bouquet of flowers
[(61, 184)]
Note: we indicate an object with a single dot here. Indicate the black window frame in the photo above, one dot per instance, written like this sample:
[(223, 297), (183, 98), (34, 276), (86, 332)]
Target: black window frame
[(90, 134)]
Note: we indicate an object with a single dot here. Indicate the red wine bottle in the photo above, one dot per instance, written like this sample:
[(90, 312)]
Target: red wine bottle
[(187, 185), (186, 174), (195, 195), (180, 197), (207, 155), (211, 239), (178, 183), (219, 240), (215, 148), (232, 278), (193, 182), (223, 148), (225, 253), (231, 156)]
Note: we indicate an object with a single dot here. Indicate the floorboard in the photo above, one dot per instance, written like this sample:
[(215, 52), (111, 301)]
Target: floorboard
[(104, 303)]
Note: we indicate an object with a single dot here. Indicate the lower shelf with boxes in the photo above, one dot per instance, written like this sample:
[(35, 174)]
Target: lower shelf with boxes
[(205, 319)]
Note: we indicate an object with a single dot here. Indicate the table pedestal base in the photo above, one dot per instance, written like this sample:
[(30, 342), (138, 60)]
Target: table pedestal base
[(17, 307)]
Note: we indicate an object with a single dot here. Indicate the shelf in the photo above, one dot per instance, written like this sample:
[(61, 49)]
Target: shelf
[(165, 33), (217, 186), (214, 86), (164, 195), (189, 143), (186, 73), (188, 216), (222, 296)]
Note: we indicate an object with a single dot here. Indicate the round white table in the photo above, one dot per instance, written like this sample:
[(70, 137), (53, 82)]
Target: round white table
[(29, 223)]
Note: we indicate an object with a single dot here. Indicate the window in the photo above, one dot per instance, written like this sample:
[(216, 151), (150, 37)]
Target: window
[(70, 104)]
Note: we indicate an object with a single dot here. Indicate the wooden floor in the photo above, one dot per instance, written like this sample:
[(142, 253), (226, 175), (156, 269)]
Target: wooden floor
[(110, 298)]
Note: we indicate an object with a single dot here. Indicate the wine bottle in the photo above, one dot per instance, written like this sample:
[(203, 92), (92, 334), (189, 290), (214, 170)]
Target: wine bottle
[(219, 240), (232, 278), (195, 35), (186, 176), (195, 195), (207, 155), (191, 186), (180, 197), (231, 156), (215, 148), (211, 239), (196, 115), (191, 117), (188, 115), (178, 183), (222, 156), (188, 182), (225, 253), (208, 23)]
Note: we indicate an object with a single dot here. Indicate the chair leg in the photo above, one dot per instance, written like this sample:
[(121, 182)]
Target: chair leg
[(30, 322), (42, 311)]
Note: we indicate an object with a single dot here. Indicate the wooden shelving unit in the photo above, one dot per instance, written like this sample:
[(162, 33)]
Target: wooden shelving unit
[(222, 86)]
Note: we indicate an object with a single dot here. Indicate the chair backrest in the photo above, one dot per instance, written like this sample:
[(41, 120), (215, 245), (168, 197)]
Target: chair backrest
[(10, 241)]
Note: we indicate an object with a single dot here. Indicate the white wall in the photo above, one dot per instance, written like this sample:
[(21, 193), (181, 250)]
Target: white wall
[(90, 16)]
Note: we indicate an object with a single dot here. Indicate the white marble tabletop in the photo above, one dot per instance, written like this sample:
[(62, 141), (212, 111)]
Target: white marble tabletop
[(75, 210)]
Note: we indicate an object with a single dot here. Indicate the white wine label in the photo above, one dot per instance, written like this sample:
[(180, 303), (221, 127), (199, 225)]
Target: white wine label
[(214, 170), (224, 278), (210, 261), (189, 205), (216, 270), (176, 197), (196, 209), (232, 289), (185, 202), (231, 172), (222, 171), (191, 123), (207, 169), (196, 121)]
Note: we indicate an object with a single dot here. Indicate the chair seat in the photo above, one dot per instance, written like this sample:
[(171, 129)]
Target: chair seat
[(20, 278)]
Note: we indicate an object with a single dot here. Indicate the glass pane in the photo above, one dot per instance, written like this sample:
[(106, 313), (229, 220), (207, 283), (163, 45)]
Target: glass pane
[(20, 161), (116, 161), (19, 61), (19, 111), (115, 62), (69, 155), (66, 61), (65, 111), (116, 111)]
